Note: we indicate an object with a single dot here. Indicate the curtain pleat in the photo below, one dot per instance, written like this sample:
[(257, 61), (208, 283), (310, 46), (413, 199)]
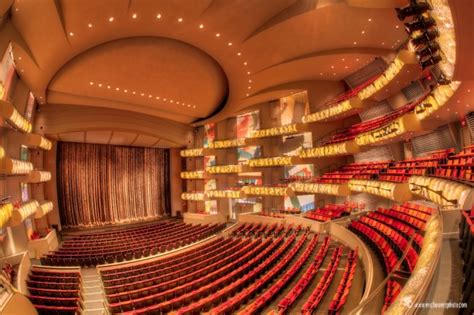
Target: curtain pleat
[(103, 184)]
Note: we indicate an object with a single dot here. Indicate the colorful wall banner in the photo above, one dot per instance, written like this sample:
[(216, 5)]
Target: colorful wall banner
[(247, 123)]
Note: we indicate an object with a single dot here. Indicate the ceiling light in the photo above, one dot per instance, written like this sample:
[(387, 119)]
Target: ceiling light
[(320, 73), (22, 70), (250, 81), (343, 59), (142, 94), (248, 72), (247, 94), (71, 34), (363, 32), (150, 96), (180, 20), (334, 73), (134, 16), (245, 63), (171, 101), (370, 20), (357, 59), (157, 97), (249, 87), (134, 92), (469, 91), (355, 43), (164, 99), (89, 25), (238, 54), (117, 89), (201, 26), (108, 86), (126, 91), (177, 102), (332, 67), (346, 67), (100, 84), (158, 16), (397, 26), (111, 19), (229, 44), (19, 58), (218, 34), (383, 43), (189, 105), (194, 106), (91, 83)]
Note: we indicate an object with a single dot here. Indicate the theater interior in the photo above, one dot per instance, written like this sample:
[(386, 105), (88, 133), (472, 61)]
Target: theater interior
[(236, 157)]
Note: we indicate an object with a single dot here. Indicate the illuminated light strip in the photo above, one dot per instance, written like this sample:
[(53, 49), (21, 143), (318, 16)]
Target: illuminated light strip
[(15, 167), (231, 143), (192, 152), (342, 148), (192, 175), (278, 131), (321, 188), (24, 211), (228, 193), (404, 57), (399, 192), (435, 100), (224, 169), (332, 111), (440, 191), (6, 211), (45, 207), (192, 196), (38, 141), (273, 161), (37, 176), (10, 113), (267, 191)]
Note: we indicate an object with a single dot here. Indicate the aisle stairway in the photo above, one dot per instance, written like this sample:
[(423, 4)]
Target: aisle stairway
[(92, 292)]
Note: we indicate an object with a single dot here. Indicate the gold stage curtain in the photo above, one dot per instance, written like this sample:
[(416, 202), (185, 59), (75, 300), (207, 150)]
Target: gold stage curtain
[(104, 184)]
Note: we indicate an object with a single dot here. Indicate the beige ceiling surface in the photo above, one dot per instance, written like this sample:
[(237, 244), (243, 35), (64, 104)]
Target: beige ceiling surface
[(215, 56)]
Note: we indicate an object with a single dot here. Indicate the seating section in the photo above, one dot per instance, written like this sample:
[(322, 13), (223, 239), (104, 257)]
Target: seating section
[(440, 163), (369, 125), (394, 234), (240, 273), (466, 235), (55, 291), (345, 284), (328, 212), (459, 166), (127, 244)]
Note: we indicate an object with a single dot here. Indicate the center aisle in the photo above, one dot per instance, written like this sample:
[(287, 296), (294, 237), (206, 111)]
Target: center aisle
[(93, 292)]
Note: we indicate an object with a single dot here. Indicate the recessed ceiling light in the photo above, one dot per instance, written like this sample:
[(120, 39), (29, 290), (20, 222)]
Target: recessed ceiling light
[(245, 63), (239, 54), (247, 94), (171, 101), (343, 59), (370, 20), (164, 99), (180, 20), (157, 97), (218, 34), (357, 59), (201, 26), (229, 44), (22, 70), (248, 72), (133, 92), (142, 94), (249, 87), (346, 67), (334, 73), (363, 32), (469, 91), (134, 16), (126, 91), (158, 16), (111, 19), (332, 67), (250, 81), (91, 83), (177, 102), (320, 73), (383, 43), (89, 25), (100, 84), (355, 43), (108, 86), (71, 34), (19, 58), (397, 26), (189, 105), (150, 96), (117, 89), (194, 106)]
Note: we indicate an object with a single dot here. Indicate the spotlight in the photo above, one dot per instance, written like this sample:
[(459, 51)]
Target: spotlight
[(425, 37), (420, 23), (430, 61), (430, 49), (414, 8)]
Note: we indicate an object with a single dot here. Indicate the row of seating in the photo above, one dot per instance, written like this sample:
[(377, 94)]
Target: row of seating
[(321, 289), (101, 254), (466, 236), (389, 232), (264, 299), (55, 291), (459, 166), (209, 284), (345, 284), (328, 212), (306, 279), (260, 229)]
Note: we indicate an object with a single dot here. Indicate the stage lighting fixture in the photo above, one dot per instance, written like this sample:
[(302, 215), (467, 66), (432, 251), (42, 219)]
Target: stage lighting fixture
[(415, 8), (420, 23), (425, 37), (429, 49), (430, 61)]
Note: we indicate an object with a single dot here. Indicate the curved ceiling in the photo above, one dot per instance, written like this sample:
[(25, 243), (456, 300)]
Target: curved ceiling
[(161, 75), (259, 45)]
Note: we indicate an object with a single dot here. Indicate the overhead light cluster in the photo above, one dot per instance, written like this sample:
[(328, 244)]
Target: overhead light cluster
[(150, 96), (423, 32)]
